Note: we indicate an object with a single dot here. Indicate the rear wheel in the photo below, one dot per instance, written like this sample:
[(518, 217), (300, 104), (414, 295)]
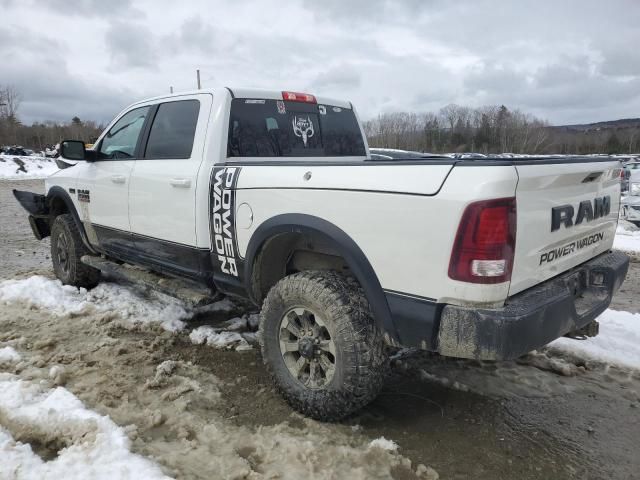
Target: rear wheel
[(320, 344), (66, 250)]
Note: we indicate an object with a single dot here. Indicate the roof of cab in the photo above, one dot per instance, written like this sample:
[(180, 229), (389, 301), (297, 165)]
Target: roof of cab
[(248, 93)]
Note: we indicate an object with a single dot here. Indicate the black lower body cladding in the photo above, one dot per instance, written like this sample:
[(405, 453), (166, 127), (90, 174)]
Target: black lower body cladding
[(535, 317)]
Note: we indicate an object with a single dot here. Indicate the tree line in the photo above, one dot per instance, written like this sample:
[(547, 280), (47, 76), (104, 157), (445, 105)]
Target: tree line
[(38, 135), (454, 128), (493, 129)]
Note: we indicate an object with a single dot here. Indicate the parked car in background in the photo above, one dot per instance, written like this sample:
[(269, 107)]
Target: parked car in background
[(15, 150), (630, 205), (394, 153), (51, 152), (627, 168)]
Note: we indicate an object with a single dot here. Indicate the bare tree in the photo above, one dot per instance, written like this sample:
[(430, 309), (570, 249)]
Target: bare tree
[(10, 100)]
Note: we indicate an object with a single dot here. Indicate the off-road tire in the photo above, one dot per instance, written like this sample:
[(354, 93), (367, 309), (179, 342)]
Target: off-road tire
[(361, 361), (66, 250)]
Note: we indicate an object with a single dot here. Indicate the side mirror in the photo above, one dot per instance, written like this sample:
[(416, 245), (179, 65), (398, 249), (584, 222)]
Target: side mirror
[(72, 150), (75, 150)]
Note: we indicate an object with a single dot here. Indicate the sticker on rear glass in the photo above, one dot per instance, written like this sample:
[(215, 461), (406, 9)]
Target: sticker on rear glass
[(254, 101), (322, 109), (281, 107), (303, 128), (337, 109)]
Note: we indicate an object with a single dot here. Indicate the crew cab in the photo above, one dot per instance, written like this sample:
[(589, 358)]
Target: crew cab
[(273, 196)]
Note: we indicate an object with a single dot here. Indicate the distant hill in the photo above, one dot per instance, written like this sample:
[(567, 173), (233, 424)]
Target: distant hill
[(620, 124)]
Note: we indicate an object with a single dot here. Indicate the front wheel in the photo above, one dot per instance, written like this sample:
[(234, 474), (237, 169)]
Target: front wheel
[(66, 250), (321, 345)]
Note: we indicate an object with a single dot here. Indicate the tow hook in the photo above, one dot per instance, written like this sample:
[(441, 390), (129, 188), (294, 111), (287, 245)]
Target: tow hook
[(591, 329)]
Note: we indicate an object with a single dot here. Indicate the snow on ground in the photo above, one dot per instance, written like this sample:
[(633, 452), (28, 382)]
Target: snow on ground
[(627, 238), (132, 306), (60, 300), (79, 443), (8, 355), (384, 444), (13, 167), (216, 338), (618, 342)]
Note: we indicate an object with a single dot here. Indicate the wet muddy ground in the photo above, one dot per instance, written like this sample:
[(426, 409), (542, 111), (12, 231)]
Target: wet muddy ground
[(540, 417)]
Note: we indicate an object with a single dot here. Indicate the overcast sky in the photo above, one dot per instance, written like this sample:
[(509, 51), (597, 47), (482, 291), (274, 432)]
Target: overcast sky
[(567, 61)]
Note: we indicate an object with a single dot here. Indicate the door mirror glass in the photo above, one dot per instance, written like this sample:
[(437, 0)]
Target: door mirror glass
[(72, 150)]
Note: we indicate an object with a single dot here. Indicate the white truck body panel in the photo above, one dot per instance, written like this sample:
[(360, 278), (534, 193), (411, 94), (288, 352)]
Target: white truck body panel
[(406, 238), (542, 187), (410, 179), (108, 181)]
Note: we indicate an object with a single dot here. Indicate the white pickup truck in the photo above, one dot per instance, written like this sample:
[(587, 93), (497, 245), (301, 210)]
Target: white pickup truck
[(273, 196)]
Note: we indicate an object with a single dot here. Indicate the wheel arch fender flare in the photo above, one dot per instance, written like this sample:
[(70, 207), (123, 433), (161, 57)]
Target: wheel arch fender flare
[(349, 250), (57, 192)]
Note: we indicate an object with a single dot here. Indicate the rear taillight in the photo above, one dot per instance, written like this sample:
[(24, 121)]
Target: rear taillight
[(485, 243), (298, 97)]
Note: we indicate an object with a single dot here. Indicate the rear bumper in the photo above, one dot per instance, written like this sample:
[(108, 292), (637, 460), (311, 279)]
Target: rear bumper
[(534, 317)]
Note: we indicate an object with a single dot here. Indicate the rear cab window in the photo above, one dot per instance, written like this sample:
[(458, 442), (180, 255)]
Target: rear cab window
[(278, 128)]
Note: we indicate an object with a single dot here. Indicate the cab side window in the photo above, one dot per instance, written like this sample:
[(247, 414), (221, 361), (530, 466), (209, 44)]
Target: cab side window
[(121, 139), (173, 130)]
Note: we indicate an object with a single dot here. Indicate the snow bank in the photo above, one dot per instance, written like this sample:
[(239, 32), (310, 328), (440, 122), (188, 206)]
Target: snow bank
[(627, 238), (618, 342), (14, 167), (78, 443), (60, 300)]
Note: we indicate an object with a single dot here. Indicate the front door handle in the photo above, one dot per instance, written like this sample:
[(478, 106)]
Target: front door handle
[(118, 178), (180, 182)]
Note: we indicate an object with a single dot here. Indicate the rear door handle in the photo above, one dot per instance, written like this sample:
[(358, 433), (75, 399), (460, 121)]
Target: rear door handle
[(118, 178), (180, 182)]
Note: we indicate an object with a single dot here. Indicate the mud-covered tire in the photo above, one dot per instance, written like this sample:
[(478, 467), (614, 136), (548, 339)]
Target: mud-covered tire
[(66, 250), (361, 361)]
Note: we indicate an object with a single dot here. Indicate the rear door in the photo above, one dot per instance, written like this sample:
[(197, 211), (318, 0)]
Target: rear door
[(567, 214), (163, 184)]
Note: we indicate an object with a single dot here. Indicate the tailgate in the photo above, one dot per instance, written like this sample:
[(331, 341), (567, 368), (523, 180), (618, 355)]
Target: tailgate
[(567, 214)]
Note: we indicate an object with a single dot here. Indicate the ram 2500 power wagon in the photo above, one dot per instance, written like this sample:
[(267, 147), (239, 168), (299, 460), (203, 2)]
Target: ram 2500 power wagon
[(273, 196)]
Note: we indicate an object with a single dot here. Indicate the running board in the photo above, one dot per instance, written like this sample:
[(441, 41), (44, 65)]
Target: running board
[(191, 293)]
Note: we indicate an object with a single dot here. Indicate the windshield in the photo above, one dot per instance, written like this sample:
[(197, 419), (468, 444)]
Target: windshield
[(277, 128)]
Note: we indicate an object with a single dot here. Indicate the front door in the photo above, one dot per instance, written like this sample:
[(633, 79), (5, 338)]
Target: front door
[(103, 185)]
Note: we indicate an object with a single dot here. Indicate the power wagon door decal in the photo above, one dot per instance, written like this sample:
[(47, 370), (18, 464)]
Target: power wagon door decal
[(222, 205)]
